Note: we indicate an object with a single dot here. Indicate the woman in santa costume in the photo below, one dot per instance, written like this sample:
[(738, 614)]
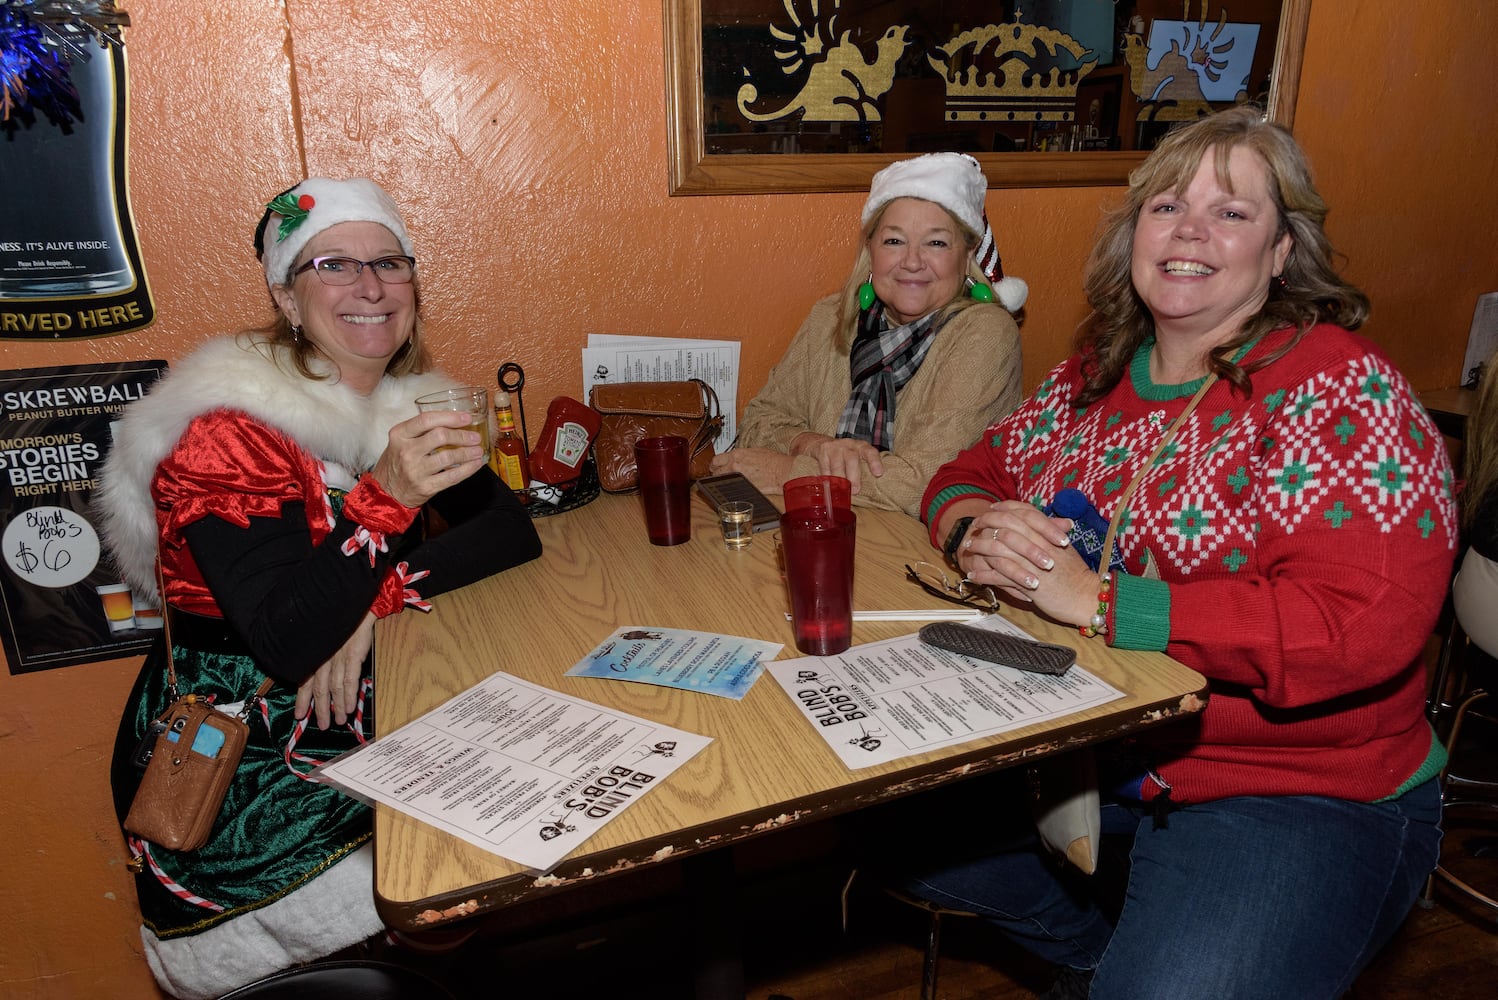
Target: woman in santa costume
[(280, 476)]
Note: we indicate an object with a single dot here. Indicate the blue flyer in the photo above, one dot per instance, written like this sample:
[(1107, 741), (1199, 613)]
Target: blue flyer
[(724, 665)]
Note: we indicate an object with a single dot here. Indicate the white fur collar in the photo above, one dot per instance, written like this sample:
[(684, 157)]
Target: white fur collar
[(327, 418)]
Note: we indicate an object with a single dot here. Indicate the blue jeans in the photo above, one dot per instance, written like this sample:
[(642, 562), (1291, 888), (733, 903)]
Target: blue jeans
[(1240, 898)]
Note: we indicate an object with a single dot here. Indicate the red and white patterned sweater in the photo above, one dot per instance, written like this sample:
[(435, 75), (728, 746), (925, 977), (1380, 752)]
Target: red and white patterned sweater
[(1304, 537)]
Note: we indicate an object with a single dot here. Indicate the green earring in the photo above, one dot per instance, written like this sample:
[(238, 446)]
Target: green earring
[(865, 295), (978, 291)]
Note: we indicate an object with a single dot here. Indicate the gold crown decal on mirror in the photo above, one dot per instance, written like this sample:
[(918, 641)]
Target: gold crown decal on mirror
[(1029, 82)]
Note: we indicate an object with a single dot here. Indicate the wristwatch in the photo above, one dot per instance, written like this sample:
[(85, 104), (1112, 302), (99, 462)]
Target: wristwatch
[(954, 538)]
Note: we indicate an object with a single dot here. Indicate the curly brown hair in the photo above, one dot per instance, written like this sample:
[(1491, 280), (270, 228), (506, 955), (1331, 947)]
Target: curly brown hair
[(1311, 292)]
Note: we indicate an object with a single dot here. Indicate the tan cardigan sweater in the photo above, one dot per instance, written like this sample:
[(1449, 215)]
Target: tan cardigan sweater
[(968, 380)]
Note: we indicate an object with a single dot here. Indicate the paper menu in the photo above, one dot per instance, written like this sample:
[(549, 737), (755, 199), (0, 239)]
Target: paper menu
[(887, 700), (612, 358), (514, 768)]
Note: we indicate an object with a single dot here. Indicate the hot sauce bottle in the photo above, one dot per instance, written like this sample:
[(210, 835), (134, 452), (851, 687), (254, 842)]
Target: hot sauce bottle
[(509, 460)]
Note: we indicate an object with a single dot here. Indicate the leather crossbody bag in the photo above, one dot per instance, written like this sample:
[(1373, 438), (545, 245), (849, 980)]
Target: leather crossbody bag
[(189, 753), (630, 411)]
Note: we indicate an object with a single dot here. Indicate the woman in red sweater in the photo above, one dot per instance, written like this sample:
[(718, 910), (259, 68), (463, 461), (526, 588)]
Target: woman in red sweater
[(1279, 517)]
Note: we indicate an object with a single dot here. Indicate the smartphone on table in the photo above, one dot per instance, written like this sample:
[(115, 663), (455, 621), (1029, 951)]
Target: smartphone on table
[(734, 486)]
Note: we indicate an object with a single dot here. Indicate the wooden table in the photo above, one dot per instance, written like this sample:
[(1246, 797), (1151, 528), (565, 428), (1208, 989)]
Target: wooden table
[(766, 768)]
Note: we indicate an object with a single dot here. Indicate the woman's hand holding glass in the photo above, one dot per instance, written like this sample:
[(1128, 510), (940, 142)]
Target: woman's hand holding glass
[(1026, 555), (412, 469)]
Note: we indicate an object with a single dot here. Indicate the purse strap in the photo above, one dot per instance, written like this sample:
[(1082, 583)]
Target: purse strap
[(172, 694), (712, 419), (709, 396)]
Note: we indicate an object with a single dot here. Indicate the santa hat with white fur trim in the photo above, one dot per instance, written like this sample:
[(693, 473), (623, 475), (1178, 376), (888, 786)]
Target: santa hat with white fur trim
[(299, 213), (954, 181)]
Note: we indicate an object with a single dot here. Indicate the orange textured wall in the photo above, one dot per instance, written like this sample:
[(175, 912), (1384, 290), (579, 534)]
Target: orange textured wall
[(527, 142)]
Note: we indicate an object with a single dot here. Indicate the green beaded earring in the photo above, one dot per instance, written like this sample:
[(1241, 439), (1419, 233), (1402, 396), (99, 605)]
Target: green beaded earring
[(866, 293)]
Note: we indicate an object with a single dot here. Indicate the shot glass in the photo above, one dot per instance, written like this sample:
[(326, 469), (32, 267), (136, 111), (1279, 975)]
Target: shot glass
[(147, 613), (736, 521), (470, 399), (119, 610)]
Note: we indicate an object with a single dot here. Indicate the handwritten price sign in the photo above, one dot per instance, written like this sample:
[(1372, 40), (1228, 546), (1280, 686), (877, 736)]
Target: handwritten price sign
[(50, 546)]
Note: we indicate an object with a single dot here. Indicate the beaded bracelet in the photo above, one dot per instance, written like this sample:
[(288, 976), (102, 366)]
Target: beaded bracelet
[(1099, 620)]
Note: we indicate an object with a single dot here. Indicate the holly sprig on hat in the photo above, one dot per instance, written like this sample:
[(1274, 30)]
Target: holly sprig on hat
[(292, 210)]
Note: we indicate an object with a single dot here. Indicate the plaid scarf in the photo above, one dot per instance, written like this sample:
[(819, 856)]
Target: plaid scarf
[(882, 360)]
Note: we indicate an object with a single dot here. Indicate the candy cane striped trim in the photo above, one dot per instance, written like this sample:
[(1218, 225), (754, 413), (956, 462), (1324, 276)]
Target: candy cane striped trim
[(364, 538), (355, 725), (409, 596), (142, 848)]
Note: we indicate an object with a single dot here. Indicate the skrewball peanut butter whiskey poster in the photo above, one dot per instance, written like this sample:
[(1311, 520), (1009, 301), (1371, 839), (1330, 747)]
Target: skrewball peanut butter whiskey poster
[(61, 600)]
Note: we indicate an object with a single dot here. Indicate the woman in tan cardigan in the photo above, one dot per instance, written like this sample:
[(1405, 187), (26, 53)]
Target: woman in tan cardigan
[(889, 378)]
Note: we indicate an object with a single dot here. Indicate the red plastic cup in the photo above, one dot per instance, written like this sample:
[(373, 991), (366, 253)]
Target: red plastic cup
[(665, 489), (818, 549), (818, 491)]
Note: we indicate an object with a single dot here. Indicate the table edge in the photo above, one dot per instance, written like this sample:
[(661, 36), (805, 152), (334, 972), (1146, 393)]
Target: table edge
[(432, 911)]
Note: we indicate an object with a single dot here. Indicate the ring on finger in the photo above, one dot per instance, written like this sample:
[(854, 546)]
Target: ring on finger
[(995, 533)]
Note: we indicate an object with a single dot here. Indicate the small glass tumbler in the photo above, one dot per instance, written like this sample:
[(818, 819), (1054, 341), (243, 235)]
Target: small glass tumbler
[(470, 399), (736, 520)]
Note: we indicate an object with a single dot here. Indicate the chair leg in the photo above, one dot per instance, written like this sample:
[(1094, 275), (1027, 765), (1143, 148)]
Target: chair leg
[(1467, 889), (933, 955), (1449, 785)]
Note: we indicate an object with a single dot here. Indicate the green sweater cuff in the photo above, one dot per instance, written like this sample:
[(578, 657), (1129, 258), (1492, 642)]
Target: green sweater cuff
[(1140, 613), (951, 493)]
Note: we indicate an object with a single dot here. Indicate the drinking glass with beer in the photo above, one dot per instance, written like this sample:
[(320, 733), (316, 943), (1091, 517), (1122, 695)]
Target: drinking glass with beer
[(470, 399)]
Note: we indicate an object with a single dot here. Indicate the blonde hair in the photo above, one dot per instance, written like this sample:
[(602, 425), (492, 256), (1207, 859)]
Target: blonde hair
[(1480, 447), (1311, 292), (847, 310)]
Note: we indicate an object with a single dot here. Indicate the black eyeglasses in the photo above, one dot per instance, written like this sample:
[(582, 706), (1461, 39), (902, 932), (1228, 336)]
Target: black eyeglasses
[(393, 270), (934, 581)]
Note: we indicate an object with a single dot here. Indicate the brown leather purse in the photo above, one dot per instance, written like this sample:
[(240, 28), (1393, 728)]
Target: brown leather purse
[(188, 764), (629, 411), (196, 751)]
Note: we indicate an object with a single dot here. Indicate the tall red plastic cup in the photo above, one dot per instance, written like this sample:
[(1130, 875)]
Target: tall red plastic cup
[(817, 491), (665, 489), (818, 548)]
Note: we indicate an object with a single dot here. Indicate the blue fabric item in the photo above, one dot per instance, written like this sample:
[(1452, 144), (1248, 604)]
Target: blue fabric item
[(1246, 897), (1089, 528)]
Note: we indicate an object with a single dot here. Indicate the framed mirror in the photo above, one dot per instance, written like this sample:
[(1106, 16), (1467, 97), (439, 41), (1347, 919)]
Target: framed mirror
[(817, 95)]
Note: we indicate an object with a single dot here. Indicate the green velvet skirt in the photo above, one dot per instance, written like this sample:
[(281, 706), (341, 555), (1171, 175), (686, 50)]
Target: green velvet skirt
[(276, 830)]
